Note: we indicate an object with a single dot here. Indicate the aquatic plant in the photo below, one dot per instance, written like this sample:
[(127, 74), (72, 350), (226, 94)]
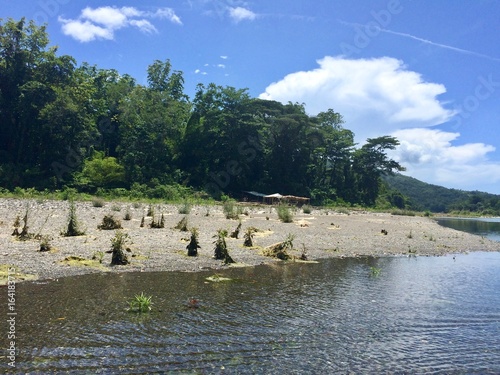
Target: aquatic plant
[(374, 271), (193, 244), (140, 303)]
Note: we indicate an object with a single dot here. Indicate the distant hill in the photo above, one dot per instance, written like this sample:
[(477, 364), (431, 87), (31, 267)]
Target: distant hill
[(423, 196)]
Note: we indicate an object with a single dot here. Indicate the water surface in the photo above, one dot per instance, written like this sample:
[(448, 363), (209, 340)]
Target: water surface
[(486, 227), (419, 315)]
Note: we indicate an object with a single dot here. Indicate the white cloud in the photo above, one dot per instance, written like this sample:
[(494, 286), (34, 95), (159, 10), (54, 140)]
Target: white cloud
[(240, 14), (102, 22), (429, 155), (223, 57), (222, 66), (375, 96), (382, 96), (85, 31)]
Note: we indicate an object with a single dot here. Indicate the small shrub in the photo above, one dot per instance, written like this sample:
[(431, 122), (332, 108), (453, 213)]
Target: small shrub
[(117, 246), (73, 228), (230, 210), (279, 250), (142, 222), (98, 255), (151, 211), (116, 208), (140, 303), (248, 237), (128, 215), (303, 255), (221, 252), (236, 232), (98, 202), (403, 212), (182, 225), (409, 235), (285, 214), (185, 208), (306, 209), (193, 245), (136, 205), (109, 222), (45, 244), (158, 224)]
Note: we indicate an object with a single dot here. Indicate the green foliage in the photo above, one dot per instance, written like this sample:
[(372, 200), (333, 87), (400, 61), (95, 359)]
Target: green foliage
[(231, 210), (98, 255), (185, 208), (374, 271), (306, 209), (97, 130), (284, 213), (182, 225), (220, 251), (279, 250), (109, 222), (193, 244), (98, 202), (118, 243), (141, 303), (248, 237), (101, 171), (73, 227)]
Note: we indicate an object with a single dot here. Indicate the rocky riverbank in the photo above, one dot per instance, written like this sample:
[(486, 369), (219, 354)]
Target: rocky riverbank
[(323, 233)]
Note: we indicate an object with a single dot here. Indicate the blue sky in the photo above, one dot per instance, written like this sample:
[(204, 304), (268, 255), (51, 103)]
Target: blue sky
[(427, 72)]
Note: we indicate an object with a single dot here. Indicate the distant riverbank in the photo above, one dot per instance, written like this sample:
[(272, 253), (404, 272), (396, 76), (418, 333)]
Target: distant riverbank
[(324, 233)]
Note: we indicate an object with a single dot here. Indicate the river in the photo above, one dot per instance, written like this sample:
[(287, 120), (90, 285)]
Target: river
[(436, 315)]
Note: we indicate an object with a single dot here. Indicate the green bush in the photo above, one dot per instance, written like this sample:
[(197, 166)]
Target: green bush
[(285, 214)]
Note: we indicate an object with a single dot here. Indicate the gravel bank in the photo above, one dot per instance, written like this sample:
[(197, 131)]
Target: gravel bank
[(323, 233)]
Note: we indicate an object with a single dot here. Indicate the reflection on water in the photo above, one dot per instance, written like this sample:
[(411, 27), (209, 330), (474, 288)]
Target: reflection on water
[(487, 227), (419, 315)]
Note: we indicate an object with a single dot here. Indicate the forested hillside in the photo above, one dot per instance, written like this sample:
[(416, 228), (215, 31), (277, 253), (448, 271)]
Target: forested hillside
[(422, 196), (64, 124)]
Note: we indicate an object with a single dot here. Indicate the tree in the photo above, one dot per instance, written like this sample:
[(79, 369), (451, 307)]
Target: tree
[(370, 162)]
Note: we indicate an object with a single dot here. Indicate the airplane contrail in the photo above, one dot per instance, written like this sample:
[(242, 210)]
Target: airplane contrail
[(460, 50), (406, 35)]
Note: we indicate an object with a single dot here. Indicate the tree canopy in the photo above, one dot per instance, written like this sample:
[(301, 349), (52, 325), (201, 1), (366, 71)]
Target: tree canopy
[(67, 125)]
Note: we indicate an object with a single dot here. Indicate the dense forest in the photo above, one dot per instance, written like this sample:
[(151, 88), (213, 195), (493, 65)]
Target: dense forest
[(69, 125), (421, 196)]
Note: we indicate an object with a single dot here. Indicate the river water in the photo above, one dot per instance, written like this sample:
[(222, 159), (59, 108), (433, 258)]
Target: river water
[(436, 315)]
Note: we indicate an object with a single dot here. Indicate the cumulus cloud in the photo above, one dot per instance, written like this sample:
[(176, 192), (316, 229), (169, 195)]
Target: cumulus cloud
[(430, 155), (102, 22), (375, 96), (238, 14)]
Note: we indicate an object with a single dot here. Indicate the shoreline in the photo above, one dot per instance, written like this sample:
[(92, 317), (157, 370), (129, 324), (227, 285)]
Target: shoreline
[(325, 233)]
